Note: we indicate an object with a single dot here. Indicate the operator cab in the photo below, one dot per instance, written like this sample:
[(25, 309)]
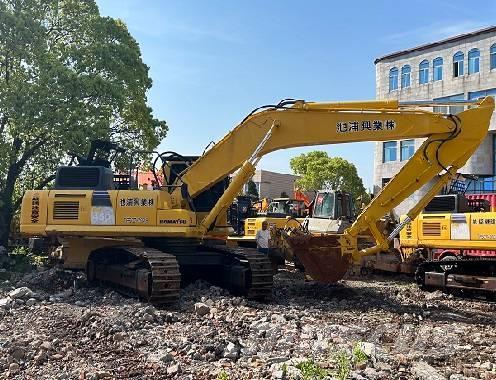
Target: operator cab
[(333, 212), (283, 207), (333, 205)]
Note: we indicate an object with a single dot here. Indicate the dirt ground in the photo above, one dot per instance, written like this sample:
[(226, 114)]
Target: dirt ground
[(54, 326)]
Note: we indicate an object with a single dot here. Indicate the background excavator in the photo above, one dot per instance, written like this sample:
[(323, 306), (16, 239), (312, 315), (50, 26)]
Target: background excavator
[(279, 213), (148, 241)]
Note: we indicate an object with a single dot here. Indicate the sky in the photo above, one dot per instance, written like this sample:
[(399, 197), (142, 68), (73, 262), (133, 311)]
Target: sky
[(214, 61)]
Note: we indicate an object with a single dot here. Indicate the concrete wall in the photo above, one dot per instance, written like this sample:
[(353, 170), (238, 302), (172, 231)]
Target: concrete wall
[(481, 162)]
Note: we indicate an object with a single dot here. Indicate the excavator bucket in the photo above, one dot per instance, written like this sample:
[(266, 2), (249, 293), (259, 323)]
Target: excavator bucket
[(320, 255)]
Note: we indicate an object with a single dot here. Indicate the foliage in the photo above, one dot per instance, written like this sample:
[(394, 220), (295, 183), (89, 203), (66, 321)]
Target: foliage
[(222, 375), (311, 370), (252, 189), (319, 171), (358, 355), (344, 365), (67, 76), (23, 260), (284, 369)]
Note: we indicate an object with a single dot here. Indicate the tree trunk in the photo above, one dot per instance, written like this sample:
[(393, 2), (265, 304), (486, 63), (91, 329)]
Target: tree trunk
[(6, 201), (6, 211)]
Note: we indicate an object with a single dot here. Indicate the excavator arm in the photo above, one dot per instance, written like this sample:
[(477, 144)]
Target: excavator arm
[(451, 140)]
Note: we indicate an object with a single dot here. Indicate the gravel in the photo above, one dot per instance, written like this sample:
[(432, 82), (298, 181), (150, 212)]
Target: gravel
[(54, 326)]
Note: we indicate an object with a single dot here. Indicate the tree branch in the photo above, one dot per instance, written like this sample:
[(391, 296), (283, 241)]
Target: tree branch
[(40, 186)]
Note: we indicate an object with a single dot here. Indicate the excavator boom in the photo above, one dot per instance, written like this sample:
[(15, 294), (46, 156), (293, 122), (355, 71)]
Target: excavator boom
[(451, 140)]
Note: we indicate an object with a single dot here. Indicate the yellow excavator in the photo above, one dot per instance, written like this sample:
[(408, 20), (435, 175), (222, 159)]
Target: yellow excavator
[(148, 241), (457, 238)]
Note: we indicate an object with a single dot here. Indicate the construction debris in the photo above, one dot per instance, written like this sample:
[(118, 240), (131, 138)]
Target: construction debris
[(368, 329)]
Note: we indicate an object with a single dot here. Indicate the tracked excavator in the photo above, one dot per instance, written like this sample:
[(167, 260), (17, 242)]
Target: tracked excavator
[(148, 241)]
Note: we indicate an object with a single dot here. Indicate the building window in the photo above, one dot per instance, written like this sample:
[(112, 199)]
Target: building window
[(424, 72), (480, 94), (437, 68), (454, 109), (473, 61), (389, 151), (407, 149), (458, 64), (492, 55), (393, 79), (405, 76), (385, 181)]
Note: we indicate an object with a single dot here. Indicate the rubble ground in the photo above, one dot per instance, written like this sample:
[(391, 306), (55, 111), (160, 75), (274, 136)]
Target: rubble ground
[(54, 326)]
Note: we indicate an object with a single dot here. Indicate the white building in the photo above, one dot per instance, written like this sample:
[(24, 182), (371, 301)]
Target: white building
[(456, 68)]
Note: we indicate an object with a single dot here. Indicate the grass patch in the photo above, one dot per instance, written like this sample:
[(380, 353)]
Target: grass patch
[(284, 369), (222, 375), (312, 371), (357, 353), (343, 362)]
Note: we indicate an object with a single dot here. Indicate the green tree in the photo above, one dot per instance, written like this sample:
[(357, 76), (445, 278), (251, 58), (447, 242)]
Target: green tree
[(67, 76), (252, 189), (319, 171)]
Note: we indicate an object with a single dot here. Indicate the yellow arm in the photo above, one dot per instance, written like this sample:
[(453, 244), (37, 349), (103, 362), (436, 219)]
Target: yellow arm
[(451, 140)]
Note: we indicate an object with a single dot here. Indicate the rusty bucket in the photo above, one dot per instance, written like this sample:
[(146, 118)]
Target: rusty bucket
[(320, 255)]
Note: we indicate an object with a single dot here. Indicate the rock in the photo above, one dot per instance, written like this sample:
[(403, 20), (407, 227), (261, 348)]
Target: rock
[(369, 349), (14, 368), (231, 351), (167, 358), (57, 356), (18, 353), (488, 366), (277, 359), (361, 366), (458, 376), (31, 302), (371, 373), (119, 336), (489, 375), (41, 357), (46, 346), (23, 292), (150, 310), (174, 369), (434, 296), (5, 303), (148, 318), (424, 371), (201, 309)]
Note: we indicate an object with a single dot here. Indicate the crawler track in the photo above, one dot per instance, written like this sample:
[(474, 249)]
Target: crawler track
[(260, 280), (146, 272)]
